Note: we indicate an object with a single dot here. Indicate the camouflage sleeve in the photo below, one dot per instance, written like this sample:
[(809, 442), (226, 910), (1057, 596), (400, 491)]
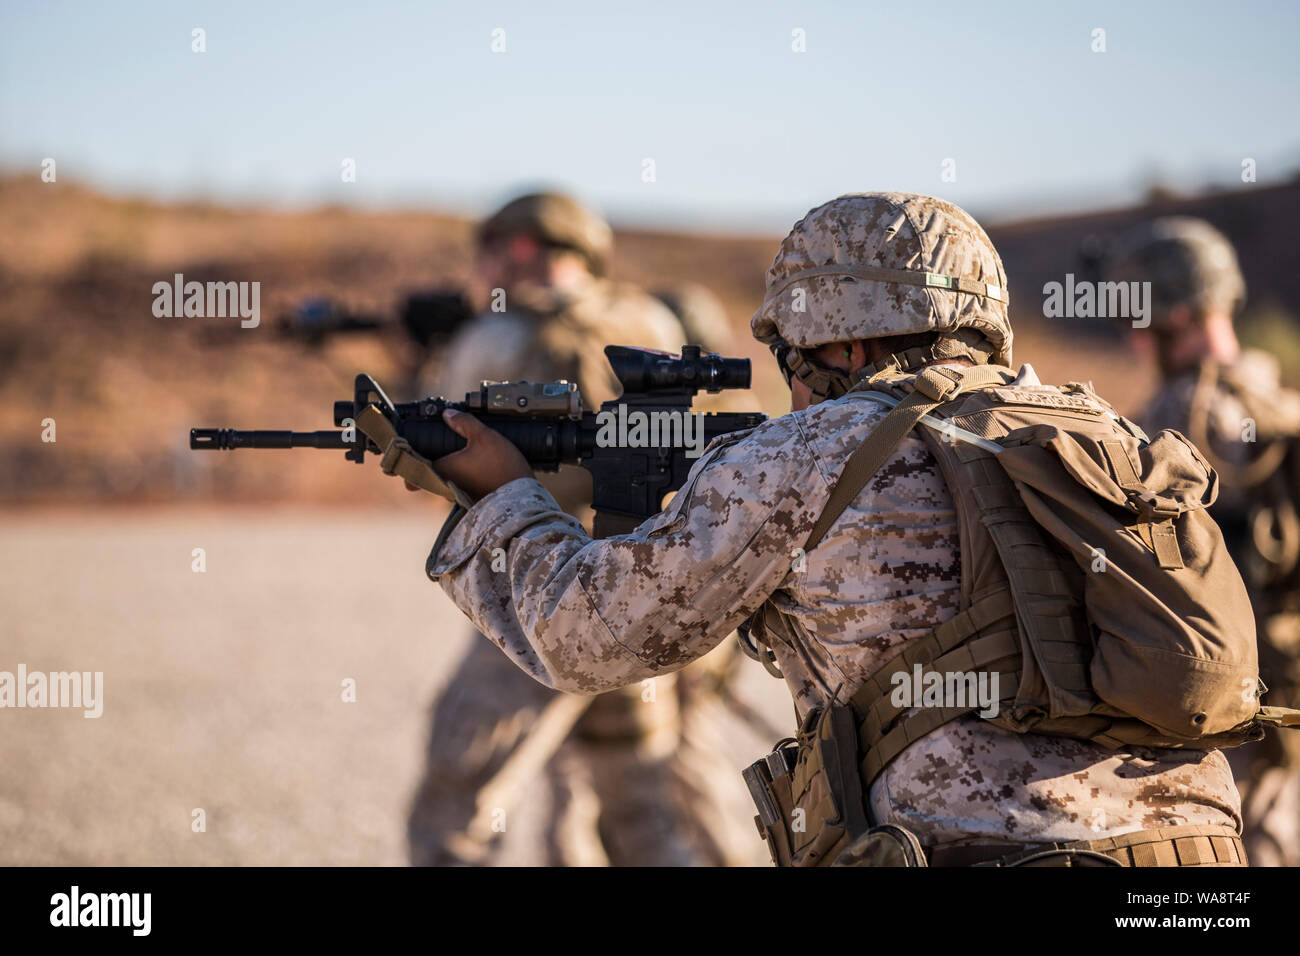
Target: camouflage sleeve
[(587, 616)]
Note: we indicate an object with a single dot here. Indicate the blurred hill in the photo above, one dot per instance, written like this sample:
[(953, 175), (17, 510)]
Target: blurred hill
[(79, 342)]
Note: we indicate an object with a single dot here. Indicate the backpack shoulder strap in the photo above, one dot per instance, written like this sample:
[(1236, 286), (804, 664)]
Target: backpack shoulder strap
[(931, 388)]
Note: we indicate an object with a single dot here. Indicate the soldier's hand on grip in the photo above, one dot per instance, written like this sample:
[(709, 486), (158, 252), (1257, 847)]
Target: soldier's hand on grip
[(486, 463)]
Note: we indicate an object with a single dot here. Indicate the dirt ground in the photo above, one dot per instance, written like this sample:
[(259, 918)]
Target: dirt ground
[(223, 689)]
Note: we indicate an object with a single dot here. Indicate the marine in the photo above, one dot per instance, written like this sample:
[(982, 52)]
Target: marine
[(839, 567), (1229, 400), (636, 776)]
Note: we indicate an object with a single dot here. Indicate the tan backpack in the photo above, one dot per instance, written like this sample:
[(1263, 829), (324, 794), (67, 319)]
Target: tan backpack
[(1094, 584), (1093, 580)]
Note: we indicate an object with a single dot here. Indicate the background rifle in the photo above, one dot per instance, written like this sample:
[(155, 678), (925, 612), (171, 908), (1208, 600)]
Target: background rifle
[(427, 319)]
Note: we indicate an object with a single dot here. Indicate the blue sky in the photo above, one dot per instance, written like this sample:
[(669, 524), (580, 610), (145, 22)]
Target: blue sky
[(744, 133)]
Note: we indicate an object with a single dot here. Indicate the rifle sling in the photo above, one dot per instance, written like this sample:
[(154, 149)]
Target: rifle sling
[(400, 459)]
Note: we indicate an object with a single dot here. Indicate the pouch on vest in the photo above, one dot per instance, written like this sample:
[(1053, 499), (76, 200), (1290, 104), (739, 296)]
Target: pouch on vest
[(885, 845), (809, 794)]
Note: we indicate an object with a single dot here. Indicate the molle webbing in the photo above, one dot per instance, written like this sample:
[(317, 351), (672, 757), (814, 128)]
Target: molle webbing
[(1027, 620), (979, 616), (969, 657), (946, 649), (991, 514), (1203, 845)]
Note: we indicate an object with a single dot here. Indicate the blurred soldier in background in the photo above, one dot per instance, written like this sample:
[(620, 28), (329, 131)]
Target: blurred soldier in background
[(1230, 403), (636, 777), (701, 314)]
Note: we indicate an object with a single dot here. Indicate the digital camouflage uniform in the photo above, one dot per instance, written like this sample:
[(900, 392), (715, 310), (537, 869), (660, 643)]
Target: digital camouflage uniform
[(587, 616), (1247, 423), (641, 780)]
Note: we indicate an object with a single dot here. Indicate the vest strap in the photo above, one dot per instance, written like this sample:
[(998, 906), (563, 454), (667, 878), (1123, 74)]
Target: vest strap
[(932, 387)]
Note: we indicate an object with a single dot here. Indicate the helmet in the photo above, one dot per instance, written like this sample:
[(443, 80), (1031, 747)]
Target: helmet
[(556, 220), (877, 265), (1186, 260), (701, 313)]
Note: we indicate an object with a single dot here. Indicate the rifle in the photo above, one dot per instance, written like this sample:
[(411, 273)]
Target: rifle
[(547, 423), (426, 318)]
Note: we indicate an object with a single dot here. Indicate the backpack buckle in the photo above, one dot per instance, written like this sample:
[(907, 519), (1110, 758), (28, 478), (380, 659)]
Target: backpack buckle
[(938, 384), (1151, 506)]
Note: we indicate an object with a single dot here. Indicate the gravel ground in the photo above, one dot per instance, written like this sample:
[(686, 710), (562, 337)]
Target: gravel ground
[(223, 689)]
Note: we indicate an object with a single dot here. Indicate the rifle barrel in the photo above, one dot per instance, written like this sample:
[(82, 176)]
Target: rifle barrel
[(230, 438)]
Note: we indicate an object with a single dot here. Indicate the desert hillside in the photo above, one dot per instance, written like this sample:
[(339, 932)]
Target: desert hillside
[(79, 342)]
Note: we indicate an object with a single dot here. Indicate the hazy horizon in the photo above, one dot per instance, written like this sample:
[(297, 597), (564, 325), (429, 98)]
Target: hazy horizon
[(745, 133)]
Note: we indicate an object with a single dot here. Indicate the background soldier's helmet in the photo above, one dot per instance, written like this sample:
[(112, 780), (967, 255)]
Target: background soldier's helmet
[(701, 313), (556, 220), (874, 265), (1186, 260)]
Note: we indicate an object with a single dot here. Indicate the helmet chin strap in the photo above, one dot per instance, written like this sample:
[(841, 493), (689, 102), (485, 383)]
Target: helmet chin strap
[(827, 383)]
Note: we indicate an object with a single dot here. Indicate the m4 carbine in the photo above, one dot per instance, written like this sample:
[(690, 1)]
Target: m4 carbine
[(547, 423)]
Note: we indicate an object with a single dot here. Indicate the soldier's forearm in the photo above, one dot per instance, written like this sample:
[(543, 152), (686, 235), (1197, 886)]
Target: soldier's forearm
[(589, 616), (510, 567)]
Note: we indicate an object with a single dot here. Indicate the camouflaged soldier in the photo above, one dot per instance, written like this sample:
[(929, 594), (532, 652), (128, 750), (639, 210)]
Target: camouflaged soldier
[(875, 283), (639, 779), (1230, 403)]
